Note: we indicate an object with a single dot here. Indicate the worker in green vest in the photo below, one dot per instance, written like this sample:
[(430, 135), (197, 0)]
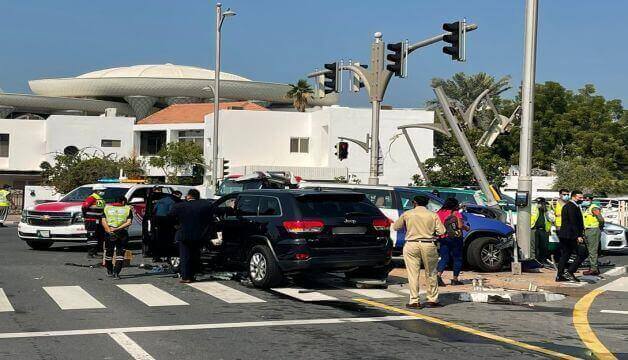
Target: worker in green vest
[(593, 225), (5, 203), (117, 217), (563, 198), (540, 223)]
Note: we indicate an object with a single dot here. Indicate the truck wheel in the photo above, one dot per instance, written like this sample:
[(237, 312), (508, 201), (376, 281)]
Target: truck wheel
[(263, 268), (485, 256), (39, 245)]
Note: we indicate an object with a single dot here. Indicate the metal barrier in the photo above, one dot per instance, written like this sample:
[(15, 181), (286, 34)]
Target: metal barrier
[(17, 199)]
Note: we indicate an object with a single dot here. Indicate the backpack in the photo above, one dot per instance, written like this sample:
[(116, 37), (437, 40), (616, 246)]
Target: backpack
[(451, 226)]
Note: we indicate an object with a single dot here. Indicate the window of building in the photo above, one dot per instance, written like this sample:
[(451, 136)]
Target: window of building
[(195, 136), (151, 142), (299, 145), (110, 143), (4, 145)]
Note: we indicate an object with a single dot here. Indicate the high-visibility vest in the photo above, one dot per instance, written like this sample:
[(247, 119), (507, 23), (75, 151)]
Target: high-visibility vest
[(95, 210), (558, 210), (590, 220), (116, 215), (4, 201), (535, 216)]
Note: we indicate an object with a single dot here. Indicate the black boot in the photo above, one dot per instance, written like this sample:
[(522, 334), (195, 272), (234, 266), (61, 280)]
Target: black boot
[(109, 266)]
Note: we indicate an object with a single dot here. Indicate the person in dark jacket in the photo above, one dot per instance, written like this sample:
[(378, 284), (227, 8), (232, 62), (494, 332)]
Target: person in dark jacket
[(571, 237), (194, 219)]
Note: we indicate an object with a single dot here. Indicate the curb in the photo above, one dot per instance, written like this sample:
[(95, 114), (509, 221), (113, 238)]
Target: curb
[(509, 297), (617, 271)]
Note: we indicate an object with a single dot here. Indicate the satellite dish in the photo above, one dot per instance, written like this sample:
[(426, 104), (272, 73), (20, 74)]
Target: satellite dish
[(70, 150)]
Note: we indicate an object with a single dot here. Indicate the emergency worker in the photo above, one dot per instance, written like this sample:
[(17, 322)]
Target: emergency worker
[(563, 198), (93, 207), (5, 203), (593, 225), (117, 218)]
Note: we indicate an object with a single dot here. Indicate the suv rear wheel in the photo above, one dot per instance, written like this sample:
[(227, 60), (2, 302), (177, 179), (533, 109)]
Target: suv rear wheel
[(39, 245), (484, 254), (263, 268)]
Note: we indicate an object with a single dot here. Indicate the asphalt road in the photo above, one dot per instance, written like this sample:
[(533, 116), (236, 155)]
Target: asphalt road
[(51, 310)]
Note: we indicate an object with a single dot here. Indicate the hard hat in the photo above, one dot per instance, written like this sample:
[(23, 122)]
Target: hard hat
[(99, 187)]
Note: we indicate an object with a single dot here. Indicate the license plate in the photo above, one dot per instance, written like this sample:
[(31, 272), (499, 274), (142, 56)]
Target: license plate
[(349, 230), (43, 233)]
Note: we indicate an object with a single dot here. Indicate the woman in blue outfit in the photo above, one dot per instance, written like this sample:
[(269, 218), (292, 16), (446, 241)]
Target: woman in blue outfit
[(451, 242)]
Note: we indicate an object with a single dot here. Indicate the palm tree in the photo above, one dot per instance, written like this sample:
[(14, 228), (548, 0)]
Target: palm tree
[(300, 94)]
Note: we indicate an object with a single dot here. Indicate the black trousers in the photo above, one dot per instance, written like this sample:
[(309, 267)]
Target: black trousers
[(163, 239), (568, 247), (116, 241), (95, 235), (190, 259), (541, 239)]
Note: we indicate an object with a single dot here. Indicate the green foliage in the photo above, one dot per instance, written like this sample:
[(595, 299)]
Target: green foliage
[(71, 171), (300, 94), (175, 157), (590, 176)]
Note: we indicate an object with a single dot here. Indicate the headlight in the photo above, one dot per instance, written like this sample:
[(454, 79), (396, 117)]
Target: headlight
[(24, 216), (612, 232), (78, 218)]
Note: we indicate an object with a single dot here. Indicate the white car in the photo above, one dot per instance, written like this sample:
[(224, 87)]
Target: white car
[(613, 238)]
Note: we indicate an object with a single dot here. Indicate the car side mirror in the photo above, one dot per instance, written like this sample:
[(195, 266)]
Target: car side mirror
[(137, 200)]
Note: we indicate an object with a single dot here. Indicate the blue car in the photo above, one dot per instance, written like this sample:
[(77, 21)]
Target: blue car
[(487, 245)]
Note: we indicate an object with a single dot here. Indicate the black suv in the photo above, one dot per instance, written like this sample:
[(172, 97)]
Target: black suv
[(277, 232)]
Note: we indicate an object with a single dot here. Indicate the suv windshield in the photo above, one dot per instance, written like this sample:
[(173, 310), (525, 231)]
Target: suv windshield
[(336, 206), (230, 186), (80, 194)]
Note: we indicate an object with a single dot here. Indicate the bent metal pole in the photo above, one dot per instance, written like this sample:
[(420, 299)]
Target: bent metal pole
[(466, 147), (527, 115)]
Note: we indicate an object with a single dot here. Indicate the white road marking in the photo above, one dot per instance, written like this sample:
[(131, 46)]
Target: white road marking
[(614, 312), (233, 325), (72, 298), (407, 291), (151, 295), (374, 293), (131, 346), (616, 271), (5, 305), (620, 284), (225, 293), (304, 294)]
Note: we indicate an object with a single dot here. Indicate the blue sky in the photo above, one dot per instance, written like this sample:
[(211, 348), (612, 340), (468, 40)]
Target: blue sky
[(579, 42)]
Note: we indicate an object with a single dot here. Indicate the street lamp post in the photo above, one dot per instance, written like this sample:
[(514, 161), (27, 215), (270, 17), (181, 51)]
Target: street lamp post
[(220, 17)]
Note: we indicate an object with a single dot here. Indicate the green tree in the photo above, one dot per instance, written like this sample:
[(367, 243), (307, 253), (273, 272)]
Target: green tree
[(176, 157), (71, 171), (590, 176), (300, 94)]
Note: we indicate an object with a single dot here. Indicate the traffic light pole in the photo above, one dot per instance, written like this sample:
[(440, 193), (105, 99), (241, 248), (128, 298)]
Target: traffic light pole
[(527, 116)]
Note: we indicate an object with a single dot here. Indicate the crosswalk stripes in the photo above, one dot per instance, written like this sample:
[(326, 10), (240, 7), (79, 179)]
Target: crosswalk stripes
[(225, 293), (5, 305), (72, 298), (375, 293), (151, 295), (304, 294)]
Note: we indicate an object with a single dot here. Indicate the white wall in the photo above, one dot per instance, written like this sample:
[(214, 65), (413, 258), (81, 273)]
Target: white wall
[(26, 144), (541, 186), (263, 138), (88, 131)]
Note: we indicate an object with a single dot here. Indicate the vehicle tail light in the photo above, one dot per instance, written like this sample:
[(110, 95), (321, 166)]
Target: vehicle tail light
[(304, 226), (381, 224), (302, 256)]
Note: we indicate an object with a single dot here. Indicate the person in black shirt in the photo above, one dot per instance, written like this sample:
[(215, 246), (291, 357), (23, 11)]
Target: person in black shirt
[(194, 219), (571, 237)]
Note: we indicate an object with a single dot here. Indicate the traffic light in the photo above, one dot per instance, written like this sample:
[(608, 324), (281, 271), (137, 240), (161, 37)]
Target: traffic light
[(356, 83), (398, 58), (342, 150), (332, 78), (222, 168), (456, 38)]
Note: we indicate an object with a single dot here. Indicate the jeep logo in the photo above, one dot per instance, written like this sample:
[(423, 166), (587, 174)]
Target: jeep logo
[(348, 221)]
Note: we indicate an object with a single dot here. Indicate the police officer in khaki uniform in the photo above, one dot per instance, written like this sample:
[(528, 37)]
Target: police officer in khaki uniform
[(117, 217), (422, 228)]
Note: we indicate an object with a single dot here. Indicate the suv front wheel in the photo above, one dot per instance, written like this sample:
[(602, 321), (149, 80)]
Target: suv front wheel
[(485, 255), (263, 268)]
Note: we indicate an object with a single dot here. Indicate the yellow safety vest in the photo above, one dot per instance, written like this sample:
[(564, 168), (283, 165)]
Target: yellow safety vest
[(590, 220), (100, 202), (116, 215), (558, 210), (3, 198), (535, 216)]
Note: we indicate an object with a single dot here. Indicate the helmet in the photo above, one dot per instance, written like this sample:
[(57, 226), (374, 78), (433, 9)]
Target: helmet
[(99, 187)]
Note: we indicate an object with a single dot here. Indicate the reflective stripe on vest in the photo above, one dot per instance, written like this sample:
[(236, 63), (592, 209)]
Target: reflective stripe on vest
[(117, 215), (534, 216), (96, 209), (590, 220), (3, 198), (558, 210)]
